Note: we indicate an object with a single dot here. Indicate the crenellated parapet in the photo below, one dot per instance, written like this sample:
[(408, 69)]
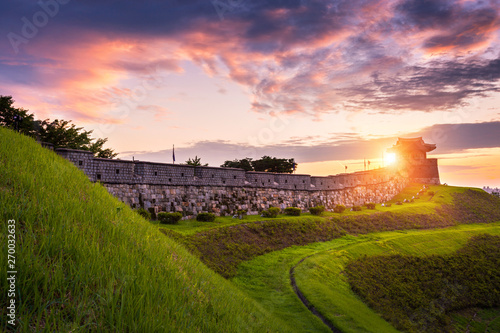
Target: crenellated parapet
[(111, 171), (191, 190)]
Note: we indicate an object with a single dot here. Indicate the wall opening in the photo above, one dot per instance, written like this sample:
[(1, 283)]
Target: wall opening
[(80, 162), (117, 171), (98, 176), (156, 173)]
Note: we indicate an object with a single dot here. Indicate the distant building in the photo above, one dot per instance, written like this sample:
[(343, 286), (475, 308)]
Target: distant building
[(495, 191), (412, 160)]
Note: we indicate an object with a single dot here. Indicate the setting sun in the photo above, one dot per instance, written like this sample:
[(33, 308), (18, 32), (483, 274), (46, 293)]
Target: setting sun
[(389, 159)]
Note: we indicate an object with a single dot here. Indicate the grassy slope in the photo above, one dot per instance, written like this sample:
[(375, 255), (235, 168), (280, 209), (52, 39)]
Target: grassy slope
[(321, 279), (223, 248), (86, 262), (266, 278)]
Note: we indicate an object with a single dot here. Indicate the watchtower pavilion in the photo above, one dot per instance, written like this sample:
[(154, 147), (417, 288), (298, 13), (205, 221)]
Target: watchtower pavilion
[(412, 158)]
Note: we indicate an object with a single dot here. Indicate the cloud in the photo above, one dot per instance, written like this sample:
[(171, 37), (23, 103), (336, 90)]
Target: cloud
[(453, 138), (452, 25), (309, 57), (159, 112), (449, 138)]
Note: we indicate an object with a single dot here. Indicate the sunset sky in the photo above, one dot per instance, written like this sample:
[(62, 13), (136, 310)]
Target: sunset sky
[(329, 83)]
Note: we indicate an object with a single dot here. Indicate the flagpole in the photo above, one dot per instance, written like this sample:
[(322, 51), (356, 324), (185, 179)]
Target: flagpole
[(173, 154)]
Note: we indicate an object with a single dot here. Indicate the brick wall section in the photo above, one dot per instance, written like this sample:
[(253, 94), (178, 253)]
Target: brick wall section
[(172, 187)]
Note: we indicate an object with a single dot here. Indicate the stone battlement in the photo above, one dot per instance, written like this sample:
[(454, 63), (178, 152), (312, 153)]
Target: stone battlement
[(192, 190), (111, 171)]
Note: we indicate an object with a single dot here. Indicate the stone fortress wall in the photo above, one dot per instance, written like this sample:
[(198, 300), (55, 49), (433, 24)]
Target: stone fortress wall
[(191, 190)]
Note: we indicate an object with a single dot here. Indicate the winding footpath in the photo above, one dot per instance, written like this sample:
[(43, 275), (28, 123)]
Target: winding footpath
[(304, 300)]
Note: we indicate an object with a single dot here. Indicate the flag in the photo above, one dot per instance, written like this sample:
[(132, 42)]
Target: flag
[(173, 153)]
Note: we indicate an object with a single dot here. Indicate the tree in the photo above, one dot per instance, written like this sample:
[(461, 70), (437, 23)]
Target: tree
[(64, 134), (245, 164), (273, 164), (99, 151), (16, 118), (60, 133), (266, 164), (196, 161)]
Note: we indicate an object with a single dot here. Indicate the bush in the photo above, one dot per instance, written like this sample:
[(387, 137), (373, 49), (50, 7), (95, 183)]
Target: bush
[(241, 212), (339, 209), (370, 205), (144, 213), (271, 212), (387, 204), (399, 203), (151, 210), (356, 208), (169, 218), (431, 193), (205, 217), (317, 210), (292, 211)]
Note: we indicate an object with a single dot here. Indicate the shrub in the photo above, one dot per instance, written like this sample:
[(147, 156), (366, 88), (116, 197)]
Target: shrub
[(339, 209), (292, 211), (151, 210), (431, 193), (169, 218), (241, 212), (387, 204), (205, 217), (144, 213), (370, 205), (317, 210), (356, 208), (271, 212), (399, 203)]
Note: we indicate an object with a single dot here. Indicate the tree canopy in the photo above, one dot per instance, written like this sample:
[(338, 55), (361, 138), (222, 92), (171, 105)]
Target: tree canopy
[(196, 161), (16, 118), (60, 133), (266, 164), (245, 164)]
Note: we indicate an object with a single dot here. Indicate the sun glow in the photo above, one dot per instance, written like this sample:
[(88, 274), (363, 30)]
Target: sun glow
[(389, 159)]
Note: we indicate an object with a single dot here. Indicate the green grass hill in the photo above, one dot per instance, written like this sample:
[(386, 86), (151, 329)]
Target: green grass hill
[(87, 262)]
